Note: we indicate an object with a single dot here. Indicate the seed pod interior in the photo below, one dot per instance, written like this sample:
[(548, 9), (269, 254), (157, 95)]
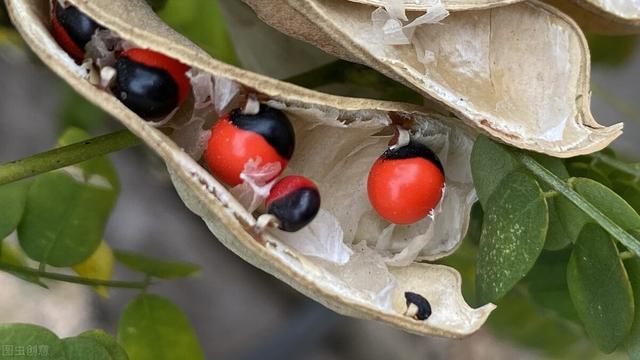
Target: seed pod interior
[(519, 73), (338, 138)]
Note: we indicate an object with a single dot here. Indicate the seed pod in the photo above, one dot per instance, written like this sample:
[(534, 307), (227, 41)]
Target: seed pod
[(237, 138), (603, 16), (72, 29), (149, 83), (405, 184), (531, 91), (336, 144), (294, 201)]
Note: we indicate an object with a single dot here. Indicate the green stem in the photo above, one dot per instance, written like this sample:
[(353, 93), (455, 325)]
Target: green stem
[(560, 186), (72, 279), (65, 156)]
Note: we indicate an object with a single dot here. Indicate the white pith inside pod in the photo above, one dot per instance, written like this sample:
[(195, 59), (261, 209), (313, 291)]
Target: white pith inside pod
[(519, 73), (345, 129)]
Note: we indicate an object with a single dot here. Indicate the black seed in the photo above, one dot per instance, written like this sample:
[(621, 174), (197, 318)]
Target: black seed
[(149, 92), (272, 124), (412, 150), (79, 26), (296, 210), (424, 308)]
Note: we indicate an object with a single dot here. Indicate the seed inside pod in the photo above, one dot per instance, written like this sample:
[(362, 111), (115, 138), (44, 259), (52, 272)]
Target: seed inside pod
[(237, 138), (72, 29), (149, 83), (348, 257), (294, 201), (418, 307), (405, 184)]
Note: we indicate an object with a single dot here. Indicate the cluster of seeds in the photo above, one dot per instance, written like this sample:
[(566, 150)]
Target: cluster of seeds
[(405, 184)]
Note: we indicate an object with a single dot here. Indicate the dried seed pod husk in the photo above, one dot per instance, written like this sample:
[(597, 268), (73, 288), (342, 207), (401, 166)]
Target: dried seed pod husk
[(519, 73), (326, 282), (603, 16), (452, 5)]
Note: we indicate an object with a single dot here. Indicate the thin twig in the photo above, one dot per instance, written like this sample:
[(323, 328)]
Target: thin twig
[(65, 156), (73, 279)]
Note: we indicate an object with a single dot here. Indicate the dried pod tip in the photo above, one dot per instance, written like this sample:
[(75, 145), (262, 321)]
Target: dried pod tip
[(237, 138), (405, 184), (294, 201), (418, 307)]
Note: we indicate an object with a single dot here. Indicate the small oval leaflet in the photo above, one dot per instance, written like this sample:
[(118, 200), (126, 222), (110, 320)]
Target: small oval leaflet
[(600, 288), (513, 234)]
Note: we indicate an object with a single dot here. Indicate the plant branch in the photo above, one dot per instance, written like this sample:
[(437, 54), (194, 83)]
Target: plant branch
[(65, 156), (560, 186), (72, 279)]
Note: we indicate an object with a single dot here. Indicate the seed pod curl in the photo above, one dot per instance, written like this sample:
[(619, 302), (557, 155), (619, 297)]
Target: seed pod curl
[(519, 73)]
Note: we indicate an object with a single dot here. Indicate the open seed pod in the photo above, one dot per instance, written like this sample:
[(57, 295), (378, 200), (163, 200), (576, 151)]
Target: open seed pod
[(603, 16), (451, 5), (347, 259), (519, 73)]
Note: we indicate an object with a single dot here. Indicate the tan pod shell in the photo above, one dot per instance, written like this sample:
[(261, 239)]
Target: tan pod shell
[(133, 20), (519, 73), (603, 16), (451, 5)]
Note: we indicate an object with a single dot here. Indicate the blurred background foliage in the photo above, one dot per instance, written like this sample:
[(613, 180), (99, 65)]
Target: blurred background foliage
[(537, 314)]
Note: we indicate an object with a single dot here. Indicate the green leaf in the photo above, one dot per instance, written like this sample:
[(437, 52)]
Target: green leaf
[(67, 210), (521, 320), (77, 111), (604, 199), (202, 22), (515, 225), (82, 348), (548, 286), (490, 164), (600, 289), (475, 224), (11, 254), (611, 50), (153, 328), (583, 170), (96, 168), (557, 238), (64, 218), (630, 192), (18, 340), (108, 342), (98, 266), (633, 341), (157, 4), (12, 199), (158, 268)]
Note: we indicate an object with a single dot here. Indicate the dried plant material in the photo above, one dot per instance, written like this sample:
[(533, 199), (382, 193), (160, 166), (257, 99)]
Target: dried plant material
[(337, 284), (603, 16), (451, 5), (519, 73)]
